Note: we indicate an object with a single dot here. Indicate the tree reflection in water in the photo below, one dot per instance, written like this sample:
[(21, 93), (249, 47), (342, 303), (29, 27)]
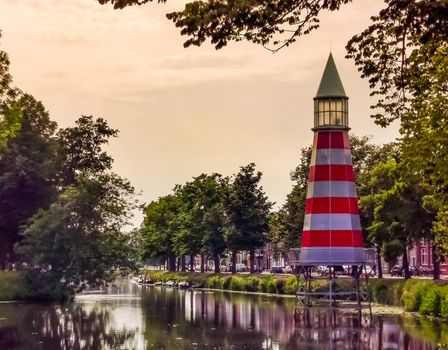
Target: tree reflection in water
[(31, 326), (162, 318)]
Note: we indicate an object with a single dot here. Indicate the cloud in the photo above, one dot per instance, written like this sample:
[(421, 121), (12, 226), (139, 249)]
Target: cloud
[(204, 60)]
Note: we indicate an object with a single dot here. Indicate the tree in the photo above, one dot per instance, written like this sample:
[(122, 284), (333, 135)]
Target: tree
[(10, 124), (27, 173), (80, 148), (394, 49), (286, 225), (206, 224), (398, 201), (247, 208), (161, 224), (425, 135), (80, 238), (10, 109), (275, 23)]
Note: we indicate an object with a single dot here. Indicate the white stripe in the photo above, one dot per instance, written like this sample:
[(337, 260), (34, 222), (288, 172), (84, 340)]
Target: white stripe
[(331, 156), (331, 222), (331, 189), (332, 255)]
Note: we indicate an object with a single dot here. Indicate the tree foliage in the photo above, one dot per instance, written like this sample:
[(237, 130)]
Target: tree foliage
[(273, 24), (204, 202), (80, 238), (81, 148), (394, 50), (161, 224), (27, 173), (247, 208)]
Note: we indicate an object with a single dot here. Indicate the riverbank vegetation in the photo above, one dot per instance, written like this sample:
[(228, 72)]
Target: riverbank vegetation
[(23, 286), (427, 297)]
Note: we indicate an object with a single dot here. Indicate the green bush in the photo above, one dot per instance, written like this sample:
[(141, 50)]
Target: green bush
[(430, 301), (13, 286), (215, 282), (226, 284), (444, 302), (267, 285), (280, 286), (380, 293), (237, 283), (252, 284), (291, 285), (413, 292)]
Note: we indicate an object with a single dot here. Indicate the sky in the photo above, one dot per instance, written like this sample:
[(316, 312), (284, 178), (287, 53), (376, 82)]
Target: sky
[(182, 112)]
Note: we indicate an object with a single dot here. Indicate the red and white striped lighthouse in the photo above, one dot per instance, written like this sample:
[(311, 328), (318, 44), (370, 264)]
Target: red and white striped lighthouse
[(332, 231)]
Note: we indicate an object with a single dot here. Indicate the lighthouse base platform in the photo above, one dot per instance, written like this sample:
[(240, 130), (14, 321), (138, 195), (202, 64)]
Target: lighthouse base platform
[(335, 284)]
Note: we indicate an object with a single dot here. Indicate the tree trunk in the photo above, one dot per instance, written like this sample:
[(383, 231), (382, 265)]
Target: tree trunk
[(216, 261), (2, 259), (202, 263), (233, 269), (182, 262), (407, 274), (435, 263), (378, 262), (172, 262), (252, 260), (191, 262)]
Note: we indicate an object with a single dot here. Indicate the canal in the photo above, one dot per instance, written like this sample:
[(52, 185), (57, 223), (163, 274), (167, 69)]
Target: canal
[(129, 316)]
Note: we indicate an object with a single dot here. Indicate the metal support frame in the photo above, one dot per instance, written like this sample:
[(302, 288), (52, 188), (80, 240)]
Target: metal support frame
[(332, 296), (353, 297)]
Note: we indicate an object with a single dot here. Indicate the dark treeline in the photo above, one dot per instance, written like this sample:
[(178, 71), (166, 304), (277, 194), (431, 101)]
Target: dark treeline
[(62, 209)]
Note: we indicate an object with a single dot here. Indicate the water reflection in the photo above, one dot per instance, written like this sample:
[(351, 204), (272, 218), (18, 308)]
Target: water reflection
[(164, 318)]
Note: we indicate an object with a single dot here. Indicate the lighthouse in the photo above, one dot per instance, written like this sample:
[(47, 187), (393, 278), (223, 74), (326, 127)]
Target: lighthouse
[(332, 230)]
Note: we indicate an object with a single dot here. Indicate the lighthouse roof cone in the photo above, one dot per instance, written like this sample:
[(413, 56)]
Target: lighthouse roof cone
[(332, 231)]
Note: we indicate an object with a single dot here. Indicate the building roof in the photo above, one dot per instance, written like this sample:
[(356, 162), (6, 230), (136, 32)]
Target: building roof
[(330, 84)]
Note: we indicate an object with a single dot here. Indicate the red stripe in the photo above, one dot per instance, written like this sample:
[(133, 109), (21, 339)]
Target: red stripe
[(331, 139), (338, 238), (331, 172), (331, 205)]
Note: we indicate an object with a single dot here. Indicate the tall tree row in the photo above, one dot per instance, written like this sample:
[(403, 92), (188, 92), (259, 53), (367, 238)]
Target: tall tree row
[(206, 217)]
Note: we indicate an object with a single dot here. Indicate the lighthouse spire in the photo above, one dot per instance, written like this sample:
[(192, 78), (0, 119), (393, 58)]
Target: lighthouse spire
[(330, 83)]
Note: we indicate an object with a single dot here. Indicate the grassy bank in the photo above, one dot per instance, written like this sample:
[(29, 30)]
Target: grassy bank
[(18, 286), (12, 286), (424, 296)]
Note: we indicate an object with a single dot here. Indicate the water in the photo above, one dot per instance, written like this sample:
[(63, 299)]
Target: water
[(135, 317)]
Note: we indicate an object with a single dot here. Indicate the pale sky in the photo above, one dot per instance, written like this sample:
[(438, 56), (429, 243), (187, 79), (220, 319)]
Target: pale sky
[(182, 112)]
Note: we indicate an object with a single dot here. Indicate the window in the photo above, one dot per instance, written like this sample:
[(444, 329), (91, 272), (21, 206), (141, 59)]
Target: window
[(331, 111), (424, 256)]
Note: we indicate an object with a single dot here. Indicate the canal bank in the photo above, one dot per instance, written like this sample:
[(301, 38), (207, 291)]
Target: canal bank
[(19, 286), (427, 297)]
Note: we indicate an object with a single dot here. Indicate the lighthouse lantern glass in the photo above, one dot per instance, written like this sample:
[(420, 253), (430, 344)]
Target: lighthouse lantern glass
[(330, 112)]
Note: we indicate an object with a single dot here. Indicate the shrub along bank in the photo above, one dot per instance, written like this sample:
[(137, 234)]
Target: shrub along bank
[(20, 286), (424, 296)]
